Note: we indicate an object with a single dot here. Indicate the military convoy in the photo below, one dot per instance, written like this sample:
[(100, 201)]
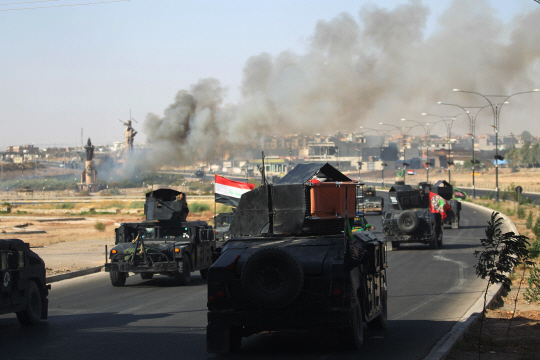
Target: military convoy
[(293, 263), (23, 288), (165, 243)]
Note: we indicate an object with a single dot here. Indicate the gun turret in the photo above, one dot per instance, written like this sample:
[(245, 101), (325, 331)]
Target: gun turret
[(166, 205)]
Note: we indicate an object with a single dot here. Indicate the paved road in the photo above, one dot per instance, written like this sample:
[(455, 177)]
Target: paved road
[(153, 319)]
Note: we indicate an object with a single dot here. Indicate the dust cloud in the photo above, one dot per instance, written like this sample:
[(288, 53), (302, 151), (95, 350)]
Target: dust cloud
[(361, 69)]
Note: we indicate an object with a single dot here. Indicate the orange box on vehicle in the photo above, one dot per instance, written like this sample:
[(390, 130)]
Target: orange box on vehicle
[(328, 200)]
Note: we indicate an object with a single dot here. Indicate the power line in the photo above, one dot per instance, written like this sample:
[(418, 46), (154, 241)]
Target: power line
[(57, 6), (27, 2)]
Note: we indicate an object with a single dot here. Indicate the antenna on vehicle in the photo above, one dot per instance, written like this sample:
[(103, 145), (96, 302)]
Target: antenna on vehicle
[(262, 170)]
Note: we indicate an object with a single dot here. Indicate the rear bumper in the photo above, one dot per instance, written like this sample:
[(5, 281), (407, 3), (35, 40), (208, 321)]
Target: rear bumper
[(278, 320), (157, 267), (410, 238)]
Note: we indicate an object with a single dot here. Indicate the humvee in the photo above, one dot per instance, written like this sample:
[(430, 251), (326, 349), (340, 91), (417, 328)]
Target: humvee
[(293, 263), (409, 219), (23, 288), (446, 191), (165, 243)]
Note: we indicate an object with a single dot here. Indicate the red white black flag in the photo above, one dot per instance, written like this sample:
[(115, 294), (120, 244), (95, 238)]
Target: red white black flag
[(228, 191), (438, 205)]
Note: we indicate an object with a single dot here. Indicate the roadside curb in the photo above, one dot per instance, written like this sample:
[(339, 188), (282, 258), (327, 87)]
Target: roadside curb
[(73, 274), (443, 347)]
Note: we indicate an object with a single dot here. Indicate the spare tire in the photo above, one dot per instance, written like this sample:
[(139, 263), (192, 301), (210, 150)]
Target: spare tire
[(408, 222), (272, 278)]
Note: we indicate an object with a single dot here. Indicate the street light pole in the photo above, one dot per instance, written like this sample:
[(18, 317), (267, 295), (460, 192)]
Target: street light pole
[(448, 122), (496, 115), (427, 129), (472, 124), (404, 134)]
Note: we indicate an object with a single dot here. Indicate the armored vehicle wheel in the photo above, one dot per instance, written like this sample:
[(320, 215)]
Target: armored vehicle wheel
[(31, 314), (395, 244), (408, 222), (182, 275), (204, 273), (118, 278), (235, 339), (353, 337), (272, 278), (434, 241), (380, 321), (147, 276)]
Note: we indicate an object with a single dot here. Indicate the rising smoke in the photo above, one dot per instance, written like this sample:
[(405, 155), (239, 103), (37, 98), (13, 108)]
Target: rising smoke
[(377, 66)]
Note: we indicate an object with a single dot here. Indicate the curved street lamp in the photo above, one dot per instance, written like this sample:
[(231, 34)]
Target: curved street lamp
[(427, 130), (448, 122), (472, 124), (496, 116), (404, 134)]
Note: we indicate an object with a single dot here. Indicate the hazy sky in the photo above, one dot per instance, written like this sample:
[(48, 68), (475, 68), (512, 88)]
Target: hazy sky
[(73, 67)]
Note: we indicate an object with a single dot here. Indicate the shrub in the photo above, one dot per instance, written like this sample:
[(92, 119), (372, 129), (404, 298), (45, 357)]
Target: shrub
[(528, 224), (521, 212), (534, 250), (136, 205), (65, 206), (99, 226), (197, 207), (533, 292), (536, 228), (504, 196), (490, 195)]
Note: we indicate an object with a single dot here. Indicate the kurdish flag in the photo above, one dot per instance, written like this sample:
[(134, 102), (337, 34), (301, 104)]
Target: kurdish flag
[(228, 191), (437, 204)]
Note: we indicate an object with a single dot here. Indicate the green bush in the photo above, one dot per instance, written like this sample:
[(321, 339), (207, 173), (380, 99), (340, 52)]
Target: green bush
[(536, 228), (99, 226), (65, 206), (533, 291), (521, 212), (136, 205), (490, 195), (528, 224), (534, 250), (110, 192), (197, 207)]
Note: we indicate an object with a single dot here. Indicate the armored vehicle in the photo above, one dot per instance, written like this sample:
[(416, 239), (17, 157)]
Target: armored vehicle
[(222, 222), (409, 218), (370, 204), (446, 191), (165, 243), (199, 173), (23, 288), (293, 263)]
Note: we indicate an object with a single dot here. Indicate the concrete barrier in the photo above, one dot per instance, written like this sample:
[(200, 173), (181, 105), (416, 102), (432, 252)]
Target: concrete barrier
[(73, 274)]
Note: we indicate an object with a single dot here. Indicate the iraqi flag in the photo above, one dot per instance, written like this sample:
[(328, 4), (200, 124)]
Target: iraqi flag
[(437, 204), (228, 191)]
